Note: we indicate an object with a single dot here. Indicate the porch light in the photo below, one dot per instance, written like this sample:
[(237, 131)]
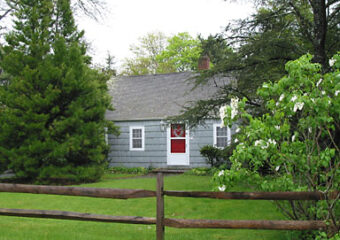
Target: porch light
[(163, 125)]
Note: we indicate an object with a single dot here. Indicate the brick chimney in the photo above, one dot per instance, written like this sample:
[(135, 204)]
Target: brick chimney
[(204, 63)]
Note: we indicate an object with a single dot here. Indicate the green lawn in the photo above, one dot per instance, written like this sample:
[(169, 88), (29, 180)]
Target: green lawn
[(35, 229)]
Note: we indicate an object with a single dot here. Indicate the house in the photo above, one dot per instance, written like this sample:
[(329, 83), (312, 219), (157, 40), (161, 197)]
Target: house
[(142, 105)]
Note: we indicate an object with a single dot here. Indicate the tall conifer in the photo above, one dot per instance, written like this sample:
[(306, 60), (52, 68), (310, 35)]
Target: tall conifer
[(52, 109)]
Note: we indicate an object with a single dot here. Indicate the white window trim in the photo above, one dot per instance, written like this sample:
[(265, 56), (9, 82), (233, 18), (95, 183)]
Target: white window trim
[(215, 135), (106, 135), (143, 138)]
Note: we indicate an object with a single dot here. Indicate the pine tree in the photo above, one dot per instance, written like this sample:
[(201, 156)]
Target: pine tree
[(52, 109)]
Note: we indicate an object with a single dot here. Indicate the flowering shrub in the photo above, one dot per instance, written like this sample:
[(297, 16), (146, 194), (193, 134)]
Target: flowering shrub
[(298, 139)]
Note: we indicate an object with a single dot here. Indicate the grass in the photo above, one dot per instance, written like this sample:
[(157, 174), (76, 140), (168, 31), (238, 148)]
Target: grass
[(36, 229)]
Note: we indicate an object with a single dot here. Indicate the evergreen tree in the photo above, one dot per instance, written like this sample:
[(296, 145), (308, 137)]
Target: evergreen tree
[(52, 109), (255, 50)]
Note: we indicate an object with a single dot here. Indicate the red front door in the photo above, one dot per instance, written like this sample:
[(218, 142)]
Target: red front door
[(177, 154), (177, 138)]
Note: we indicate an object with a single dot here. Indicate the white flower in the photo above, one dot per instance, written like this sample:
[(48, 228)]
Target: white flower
[(222, 188), (272, 141), (258, 142), (222, 115), (323, 92), (277, 168), (277, 104), (265, 85), (238, 130), (281, 97), (236, 140), (293, 98), (337, 92), (221, 173), (298, 106), (331, 62), (310, 130), (318, 83), (234, 107), (277, 127), (265, 146), (293, 138)]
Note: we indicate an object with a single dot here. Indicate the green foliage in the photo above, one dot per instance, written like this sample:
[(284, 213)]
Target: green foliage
[(201, 171), (135, 170), (109, 67), (255, 50), (158, 54), (217, 157), (181, 53), (144, 60), (52, 116), (298, 139)]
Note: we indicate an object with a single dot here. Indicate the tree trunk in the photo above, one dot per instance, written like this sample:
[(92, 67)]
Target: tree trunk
[(320, 31)]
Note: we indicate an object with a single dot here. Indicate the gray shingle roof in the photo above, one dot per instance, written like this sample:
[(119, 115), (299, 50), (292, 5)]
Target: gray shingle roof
[(156, 96)]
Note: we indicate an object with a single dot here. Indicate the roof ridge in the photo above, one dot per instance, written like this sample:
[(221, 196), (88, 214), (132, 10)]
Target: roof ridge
[(156, 74)]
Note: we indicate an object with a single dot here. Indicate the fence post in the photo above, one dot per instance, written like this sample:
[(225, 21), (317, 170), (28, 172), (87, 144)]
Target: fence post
[(160, 207)]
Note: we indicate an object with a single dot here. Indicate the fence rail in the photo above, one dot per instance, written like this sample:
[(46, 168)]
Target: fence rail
[(78, 191), (255, 195), (75, 216), (160, 219), (169, 222)]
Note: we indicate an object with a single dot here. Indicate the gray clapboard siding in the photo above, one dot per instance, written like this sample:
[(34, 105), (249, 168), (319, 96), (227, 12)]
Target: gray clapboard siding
[(155, 151)]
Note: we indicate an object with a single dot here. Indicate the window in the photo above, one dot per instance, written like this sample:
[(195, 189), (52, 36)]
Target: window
[(136, 138), (221, 136)]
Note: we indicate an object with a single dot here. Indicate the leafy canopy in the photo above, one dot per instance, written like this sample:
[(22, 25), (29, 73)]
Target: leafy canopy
[(297, 139), (157, 53), (255, 50)]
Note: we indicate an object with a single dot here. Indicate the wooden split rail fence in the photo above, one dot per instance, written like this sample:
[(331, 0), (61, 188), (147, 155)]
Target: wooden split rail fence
[(160, 220)]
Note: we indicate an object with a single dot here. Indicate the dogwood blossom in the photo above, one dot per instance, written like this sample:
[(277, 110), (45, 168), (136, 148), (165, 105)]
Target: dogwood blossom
[(293, 138), (318, 83), (236, 140), (272, 141), (221, 173), (281, 97), (298, 106), (238, 130), (222, 115), (337, 92), (331, 62), (277, 127), (293, 98), (222, 188), (277, 168), (258, 142), (234, 107)]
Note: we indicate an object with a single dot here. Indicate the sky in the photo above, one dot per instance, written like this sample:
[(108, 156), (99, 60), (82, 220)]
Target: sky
[(127, 20)]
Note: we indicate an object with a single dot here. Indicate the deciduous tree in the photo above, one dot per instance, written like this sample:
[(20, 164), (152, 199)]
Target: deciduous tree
[(158, 54), (256, 49)]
